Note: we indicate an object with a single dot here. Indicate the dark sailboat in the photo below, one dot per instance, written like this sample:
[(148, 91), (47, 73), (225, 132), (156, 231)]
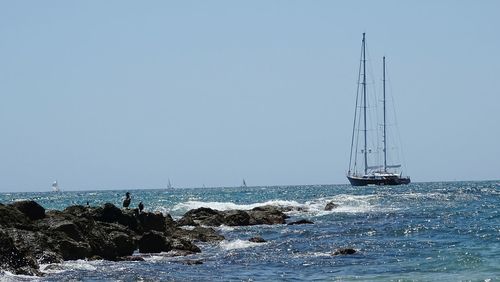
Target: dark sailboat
[(371, 170)]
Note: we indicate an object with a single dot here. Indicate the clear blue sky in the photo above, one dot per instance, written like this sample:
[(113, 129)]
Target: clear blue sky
[(126, 94)]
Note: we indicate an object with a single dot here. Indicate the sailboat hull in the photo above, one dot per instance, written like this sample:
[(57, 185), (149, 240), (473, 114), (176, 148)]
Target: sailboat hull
[(374, 180)]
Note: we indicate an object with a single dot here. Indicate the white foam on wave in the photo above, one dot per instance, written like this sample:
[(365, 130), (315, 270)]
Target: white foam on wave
[(237, 244), (9, 276), (80, 265), (346, 204), (52, 268), (224, 206)]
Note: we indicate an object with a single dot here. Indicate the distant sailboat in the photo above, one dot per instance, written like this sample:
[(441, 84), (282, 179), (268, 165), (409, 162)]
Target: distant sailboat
[(372, 169), (55, 187), (244, 184), (169, 185)]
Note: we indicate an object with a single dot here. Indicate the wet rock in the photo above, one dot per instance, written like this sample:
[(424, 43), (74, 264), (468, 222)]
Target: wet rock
[(77, 210), (112, 214), (185, 245), (301, 221), (154, 242), (267, 215), (344, 251), (124, 244), (72, 250), (50, 257), (187, 221), (30, 208), (152, 221), (12, 217), (192, 261), (204, 216), (202, 213), (14, 260), (257, 240), (203, 234), (70, 229), (236, 218), (330, 206)]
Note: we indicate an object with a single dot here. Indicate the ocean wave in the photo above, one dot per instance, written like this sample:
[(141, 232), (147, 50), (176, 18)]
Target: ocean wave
[(80, 265), (9, 276), (316, 207), (224, 206), (237, 244)]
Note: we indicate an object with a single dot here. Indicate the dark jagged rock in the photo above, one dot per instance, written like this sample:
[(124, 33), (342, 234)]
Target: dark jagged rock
[(186, 221), (236, 218), (257, 240), (112, 214), (72, 250), (14, 260), (152, 221), (202, 213), (30, 208), (301, 221), (344, 251), (124, 244), (192, 261), (204, 216), (154, 242), (267, 215), (50, 257), (199, 233), (12, 217), (28, 233), (78, 210), (185, 245), (330, 206), (210, 217)]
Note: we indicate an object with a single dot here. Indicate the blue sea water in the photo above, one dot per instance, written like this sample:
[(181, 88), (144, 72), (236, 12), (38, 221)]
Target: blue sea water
[(446, 231)]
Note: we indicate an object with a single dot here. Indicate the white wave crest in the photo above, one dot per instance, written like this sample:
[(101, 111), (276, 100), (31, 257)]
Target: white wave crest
[(237, 244), (79, 265), (346, 204), (224, 206)]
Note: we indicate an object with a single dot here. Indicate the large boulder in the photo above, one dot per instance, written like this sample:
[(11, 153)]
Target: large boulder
[(108, 213), (71, 249), (204, 216), (124, 244), (30, 208), (203, 234), (236, 218), (267, 215), (152, 221), (14, 260), (112, 214), (154, 242), (111, 240), (12, 217)]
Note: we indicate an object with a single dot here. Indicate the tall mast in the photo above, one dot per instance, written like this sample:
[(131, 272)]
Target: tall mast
[(364, 106), (385, 135)]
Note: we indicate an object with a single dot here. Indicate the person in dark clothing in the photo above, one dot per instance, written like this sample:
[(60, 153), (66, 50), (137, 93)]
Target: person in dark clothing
[(141, 207)]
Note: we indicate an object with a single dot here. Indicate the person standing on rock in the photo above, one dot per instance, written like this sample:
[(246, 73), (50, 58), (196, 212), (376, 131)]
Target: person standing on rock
[(127, 200)]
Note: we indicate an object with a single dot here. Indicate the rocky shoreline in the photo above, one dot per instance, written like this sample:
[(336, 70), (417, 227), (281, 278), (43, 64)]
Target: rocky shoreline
[(30, 235)]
